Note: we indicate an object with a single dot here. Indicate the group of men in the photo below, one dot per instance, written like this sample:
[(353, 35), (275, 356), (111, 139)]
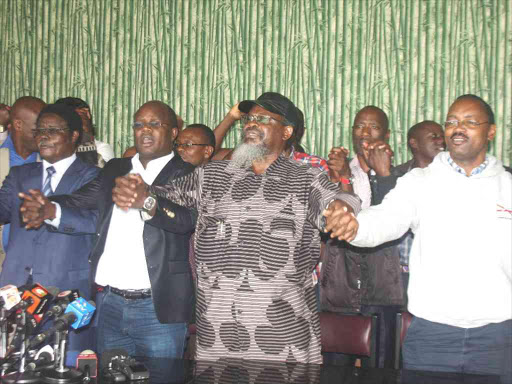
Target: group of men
[(256, 214)]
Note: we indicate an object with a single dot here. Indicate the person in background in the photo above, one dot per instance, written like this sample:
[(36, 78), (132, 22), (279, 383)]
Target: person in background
[(90, 150), (195, 144), (363, 280), (20, 144)]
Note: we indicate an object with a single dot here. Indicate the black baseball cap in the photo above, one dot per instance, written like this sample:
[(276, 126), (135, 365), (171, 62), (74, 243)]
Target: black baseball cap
[(275, 103)]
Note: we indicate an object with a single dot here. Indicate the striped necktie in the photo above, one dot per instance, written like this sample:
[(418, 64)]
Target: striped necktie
[(47, 187)]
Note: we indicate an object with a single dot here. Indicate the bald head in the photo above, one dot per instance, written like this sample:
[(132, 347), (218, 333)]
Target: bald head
[(26, 104), (166, 113), (23, 118)]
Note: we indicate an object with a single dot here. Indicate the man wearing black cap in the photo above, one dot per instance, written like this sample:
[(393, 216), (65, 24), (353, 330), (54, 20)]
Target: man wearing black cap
[(257, 239), (55, 254)]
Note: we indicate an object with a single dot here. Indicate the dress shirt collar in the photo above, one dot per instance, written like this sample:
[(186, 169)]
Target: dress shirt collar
[(474, 172), (153, 168), (60, 166)]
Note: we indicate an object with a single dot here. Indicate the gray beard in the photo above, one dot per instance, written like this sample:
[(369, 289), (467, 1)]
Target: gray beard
[(245, 154)]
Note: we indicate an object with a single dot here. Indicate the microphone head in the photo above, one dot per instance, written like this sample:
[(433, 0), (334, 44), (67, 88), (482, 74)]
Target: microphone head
[(83, 311), (10, 296)]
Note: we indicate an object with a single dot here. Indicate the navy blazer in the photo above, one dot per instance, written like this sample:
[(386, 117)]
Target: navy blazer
[(166, 238), (57, 257)]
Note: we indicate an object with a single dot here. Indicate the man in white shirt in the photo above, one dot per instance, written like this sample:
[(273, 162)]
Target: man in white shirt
[(141, 266), (56, 254), (460, 211)]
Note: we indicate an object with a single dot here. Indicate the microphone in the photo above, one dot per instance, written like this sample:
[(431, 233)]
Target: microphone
[(77, 315), (9, 296), (41, 298), (43, 359), (61, 303), (87, 362)]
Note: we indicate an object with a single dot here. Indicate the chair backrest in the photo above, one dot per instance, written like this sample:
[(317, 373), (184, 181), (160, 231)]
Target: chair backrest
[(349, 334), (403, 321)]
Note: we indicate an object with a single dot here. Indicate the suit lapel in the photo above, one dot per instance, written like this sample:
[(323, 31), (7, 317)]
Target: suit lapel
[(70, 177)]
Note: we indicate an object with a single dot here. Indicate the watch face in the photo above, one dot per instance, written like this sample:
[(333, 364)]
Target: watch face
[(149, 203)]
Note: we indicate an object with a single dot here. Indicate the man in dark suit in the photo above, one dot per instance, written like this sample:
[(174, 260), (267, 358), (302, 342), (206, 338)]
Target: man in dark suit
[(56, 253), (143, 265)]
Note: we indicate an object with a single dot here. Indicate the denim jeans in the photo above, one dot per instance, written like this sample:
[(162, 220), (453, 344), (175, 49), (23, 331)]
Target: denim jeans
[(430, 346), (132, 325)]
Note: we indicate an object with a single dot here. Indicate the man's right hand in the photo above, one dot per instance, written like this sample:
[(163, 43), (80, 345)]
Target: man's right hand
[(235, 113), (130, 192), (36, 208), (338, 164)]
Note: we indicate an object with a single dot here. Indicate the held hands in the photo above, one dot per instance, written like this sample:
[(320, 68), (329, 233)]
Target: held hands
[(338, 164), (36, 208), (341, 221), (130, 191), (378, 156)]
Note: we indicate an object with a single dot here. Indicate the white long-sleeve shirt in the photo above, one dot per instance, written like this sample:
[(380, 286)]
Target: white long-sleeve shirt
[(461, 258)]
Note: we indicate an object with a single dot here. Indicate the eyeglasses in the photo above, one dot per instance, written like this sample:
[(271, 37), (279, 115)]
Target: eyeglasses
[(465, 123), (48, 131), (189, 145), (260, 119), (151, 124)]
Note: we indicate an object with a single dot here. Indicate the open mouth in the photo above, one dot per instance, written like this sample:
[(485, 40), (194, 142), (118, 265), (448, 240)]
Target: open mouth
[(459, 139), (252, 134), (147, 140)]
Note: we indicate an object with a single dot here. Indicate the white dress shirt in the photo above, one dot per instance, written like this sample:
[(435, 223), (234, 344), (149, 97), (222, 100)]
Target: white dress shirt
[(123, 263), (61, 167)]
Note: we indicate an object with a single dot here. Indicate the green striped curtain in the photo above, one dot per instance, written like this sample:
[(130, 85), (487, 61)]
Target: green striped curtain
[(331, 57)]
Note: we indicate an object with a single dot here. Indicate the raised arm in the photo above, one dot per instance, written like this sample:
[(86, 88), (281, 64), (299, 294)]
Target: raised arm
[(222, 129)]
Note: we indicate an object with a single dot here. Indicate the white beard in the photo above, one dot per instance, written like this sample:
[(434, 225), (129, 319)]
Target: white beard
[(245, 154)]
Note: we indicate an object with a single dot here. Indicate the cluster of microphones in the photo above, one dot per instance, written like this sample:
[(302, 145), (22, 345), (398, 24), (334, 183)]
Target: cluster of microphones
[(38, 317)]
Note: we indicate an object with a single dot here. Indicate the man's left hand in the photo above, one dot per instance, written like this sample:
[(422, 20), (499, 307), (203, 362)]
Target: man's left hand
[(341, 221)]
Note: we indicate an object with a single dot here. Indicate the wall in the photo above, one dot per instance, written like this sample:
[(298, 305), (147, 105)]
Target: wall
[(331, 57)]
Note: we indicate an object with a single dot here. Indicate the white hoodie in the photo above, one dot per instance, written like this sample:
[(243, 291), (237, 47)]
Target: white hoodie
[(461, 258)]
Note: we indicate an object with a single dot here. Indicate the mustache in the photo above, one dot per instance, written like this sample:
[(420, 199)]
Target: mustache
[(43, 142), (458, 134)]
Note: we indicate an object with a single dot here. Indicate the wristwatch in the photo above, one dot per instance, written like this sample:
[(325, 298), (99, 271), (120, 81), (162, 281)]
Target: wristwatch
[(149, 203), (349, 180)]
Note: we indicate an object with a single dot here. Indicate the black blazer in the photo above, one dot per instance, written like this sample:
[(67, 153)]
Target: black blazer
[(166, 246)]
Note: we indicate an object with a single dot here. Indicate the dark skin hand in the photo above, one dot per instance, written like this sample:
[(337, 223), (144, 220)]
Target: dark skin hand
[(378, 156), (36, 208), (341, 221), (130, 192), (339, 167)]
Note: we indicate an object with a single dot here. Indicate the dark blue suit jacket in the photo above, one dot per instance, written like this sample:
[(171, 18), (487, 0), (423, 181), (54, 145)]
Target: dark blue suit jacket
[(58, 257)]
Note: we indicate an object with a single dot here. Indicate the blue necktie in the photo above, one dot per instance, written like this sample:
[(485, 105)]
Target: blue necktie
[(47, 187)]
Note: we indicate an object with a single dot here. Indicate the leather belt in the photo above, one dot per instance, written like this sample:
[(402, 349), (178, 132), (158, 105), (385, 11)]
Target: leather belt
[(131, 294)]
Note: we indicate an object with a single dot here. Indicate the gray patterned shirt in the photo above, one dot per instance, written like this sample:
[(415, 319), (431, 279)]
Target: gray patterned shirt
[(256, 243)]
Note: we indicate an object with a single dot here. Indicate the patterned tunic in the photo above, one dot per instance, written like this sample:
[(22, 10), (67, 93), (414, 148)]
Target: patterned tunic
[(256, 245)]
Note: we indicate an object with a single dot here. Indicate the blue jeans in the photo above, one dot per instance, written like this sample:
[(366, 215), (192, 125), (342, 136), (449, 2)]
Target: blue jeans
[(430, 346), (132, 325)]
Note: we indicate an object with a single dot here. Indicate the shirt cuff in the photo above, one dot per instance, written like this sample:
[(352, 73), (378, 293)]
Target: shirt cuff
[(55, 222)]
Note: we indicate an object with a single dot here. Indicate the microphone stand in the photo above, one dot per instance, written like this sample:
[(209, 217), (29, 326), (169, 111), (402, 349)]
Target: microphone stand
[(61, 374), (4, 335), (22, 376)]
